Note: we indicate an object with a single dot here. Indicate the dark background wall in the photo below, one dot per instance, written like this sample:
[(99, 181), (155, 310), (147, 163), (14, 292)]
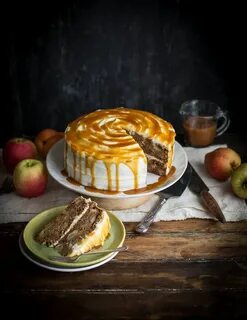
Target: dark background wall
[(62, 60)]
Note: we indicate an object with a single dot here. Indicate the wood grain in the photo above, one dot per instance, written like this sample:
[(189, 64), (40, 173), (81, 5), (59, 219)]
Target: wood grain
[(182, 260), (129, 305), (194, 269), (183, 226)]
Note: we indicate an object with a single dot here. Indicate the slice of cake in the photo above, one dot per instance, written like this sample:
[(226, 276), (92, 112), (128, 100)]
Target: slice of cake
[(81, 227), (114, 149)]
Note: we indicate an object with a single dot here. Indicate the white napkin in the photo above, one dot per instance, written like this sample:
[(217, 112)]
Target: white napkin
[(14, 208), (188, 205)]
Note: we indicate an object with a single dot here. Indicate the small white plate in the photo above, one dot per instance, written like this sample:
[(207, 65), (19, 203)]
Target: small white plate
[(31, 257), (55, 165)]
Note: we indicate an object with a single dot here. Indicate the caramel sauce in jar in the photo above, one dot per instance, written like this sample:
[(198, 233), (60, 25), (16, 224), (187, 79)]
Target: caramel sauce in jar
[(199, 131)]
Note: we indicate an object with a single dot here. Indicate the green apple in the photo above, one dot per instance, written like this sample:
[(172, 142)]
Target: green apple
[(30, 178), (239, 181)]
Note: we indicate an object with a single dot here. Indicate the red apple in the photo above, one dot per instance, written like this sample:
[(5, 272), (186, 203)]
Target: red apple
[(17, 149), (30, 178), (221, 162)]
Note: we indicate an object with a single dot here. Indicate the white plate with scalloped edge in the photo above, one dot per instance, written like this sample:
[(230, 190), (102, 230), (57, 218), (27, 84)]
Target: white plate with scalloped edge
[(55, 165)]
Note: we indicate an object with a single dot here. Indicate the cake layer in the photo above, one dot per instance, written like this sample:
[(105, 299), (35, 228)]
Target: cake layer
[(57, 229), (108, 149), (156, 166)]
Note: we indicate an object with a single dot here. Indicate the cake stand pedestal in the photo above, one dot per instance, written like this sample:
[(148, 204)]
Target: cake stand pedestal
[(121, 204)]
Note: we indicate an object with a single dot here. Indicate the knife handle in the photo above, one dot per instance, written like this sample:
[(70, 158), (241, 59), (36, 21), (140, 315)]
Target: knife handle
[(143, 226), (211, 204)]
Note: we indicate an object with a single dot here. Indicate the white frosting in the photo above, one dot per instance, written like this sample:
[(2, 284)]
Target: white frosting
[(76, 168), (95, 238)]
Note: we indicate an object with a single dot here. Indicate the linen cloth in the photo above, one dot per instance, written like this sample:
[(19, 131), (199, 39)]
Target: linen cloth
[(188, 205), (14, 208)]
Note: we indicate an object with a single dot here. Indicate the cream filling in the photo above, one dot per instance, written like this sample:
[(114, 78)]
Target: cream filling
[(169, 161), (95, 238)]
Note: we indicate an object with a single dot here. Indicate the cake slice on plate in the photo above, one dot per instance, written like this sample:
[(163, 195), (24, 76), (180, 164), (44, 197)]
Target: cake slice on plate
[(81, 227)]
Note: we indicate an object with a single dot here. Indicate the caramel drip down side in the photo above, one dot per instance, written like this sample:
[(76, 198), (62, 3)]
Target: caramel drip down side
[(91, 189), (161, 181), (117, 176), (133, 166), (149, 187), (73, 181), (90, 162), (74, 163), (64, 172), (109, 178), (65, 156), (80, 168)]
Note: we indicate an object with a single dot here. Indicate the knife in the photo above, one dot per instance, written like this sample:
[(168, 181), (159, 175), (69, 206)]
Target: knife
[(198, 186), (175, 190)]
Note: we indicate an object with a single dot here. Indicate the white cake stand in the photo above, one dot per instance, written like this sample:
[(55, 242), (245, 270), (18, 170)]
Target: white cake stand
[(55, 166)]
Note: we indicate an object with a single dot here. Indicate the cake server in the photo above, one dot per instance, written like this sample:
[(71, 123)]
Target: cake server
[(175, 190), (198, 186)]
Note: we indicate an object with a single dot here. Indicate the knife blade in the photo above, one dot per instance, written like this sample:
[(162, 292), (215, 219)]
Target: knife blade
[(198, 186), (175, 190)]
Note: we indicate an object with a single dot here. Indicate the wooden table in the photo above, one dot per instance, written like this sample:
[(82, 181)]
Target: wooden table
[(189, 269)]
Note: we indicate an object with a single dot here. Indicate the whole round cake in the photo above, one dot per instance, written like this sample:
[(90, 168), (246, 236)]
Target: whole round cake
[(114, 149)]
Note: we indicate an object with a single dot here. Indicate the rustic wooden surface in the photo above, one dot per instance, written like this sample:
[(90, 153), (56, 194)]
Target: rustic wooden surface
[(183, 269), (193, 269)]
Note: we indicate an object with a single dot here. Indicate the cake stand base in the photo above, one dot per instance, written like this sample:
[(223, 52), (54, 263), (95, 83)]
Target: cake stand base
[(121, 204)]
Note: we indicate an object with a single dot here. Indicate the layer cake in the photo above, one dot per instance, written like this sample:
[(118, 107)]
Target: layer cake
[(78, 229), (114, 149)]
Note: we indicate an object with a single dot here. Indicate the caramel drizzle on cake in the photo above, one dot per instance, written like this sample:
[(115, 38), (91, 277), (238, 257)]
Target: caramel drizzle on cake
[(118, 136), (149, 187)]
